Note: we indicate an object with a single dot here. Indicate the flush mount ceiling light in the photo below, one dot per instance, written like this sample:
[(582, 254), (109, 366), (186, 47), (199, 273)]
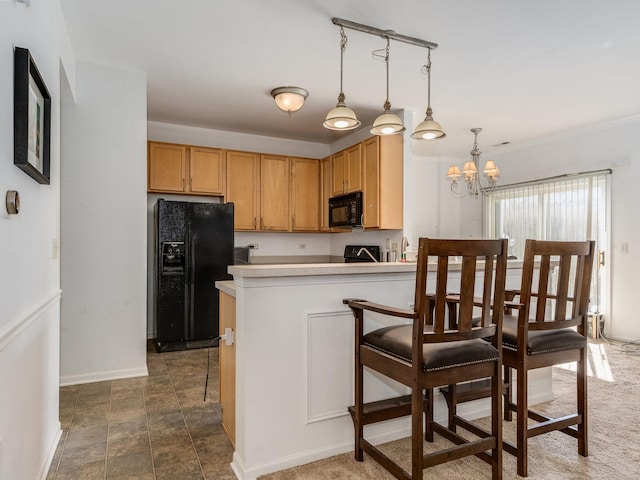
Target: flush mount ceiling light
[(341, 117), (289, 99), (470, 171), (428, 129), (388, 123)]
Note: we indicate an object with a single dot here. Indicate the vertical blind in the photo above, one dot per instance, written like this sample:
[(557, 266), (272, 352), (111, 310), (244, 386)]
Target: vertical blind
[(568, 207)]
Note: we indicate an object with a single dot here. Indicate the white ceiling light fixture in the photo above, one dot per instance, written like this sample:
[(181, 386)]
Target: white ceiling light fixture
[(289, 99), (341, 117), (388, 123), (471, 176), (428, 129)]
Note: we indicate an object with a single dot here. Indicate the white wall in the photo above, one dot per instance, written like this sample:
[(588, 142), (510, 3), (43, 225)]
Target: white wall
[(30, 285), (104, 227)]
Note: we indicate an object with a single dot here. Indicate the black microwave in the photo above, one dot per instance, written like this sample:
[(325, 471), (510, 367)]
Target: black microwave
[(346, 210)]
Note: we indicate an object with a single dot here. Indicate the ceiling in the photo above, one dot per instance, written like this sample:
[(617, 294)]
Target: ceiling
[(520, 70)]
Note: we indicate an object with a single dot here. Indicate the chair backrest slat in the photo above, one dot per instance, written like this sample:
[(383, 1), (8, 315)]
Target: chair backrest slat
[(543, 288), (467, 284)]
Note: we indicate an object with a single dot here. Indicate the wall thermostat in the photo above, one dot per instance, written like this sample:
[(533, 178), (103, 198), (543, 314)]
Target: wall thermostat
[(12, 201)]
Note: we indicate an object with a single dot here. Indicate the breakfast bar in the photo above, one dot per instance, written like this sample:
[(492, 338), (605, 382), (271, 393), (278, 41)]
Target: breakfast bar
[(293, 360)]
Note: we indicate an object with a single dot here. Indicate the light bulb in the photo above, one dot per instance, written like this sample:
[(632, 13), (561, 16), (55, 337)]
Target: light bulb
[(341, 124), (388, 130)]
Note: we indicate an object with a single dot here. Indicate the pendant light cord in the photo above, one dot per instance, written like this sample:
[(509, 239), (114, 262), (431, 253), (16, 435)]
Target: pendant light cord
[(378, 53), (343, 47), (427, 69), (387, 105)]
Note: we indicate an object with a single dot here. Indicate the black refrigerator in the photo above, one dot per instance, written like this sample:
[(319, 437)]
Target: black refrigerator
[(194, 247)]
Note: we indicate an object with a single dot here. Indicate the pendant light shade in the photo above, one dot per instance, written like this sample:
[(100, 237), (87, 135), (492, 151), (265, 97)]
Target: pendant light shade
[(388, 123), (428, 129), (341, 117), (289, 99)]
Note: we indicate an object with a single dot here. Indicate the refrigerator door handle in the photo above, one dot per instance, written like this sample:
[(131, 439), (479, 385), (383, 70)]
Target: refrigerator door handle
[(192, 273)]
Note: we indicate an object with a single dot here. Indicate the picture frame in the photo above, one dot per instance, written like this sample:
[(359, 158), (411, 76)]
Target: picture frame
[(31, 118)]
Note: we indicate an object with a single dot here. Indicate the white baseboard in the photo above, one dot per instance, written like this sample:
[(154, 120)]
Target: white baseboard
[(52, 451), (103, 376)]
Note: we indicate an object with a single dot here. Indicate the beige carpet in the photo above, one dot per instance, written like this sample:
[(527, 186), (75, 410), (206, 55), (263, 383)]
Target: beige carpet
[(614, 442)]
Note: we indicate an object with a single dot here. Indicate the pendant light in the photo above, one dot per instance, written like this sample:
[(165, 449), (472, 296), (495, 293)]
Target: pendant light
[(341, 117), (428, 129), (388, 123)]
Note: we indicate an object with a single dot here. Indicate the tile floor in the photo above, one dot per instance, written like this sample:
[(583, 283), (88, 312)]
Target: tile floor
[(157, 427)]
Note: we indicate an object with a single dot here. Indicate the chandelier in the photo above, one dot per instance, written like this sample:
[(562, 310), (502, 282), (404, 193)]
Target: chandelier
[(472, 186)]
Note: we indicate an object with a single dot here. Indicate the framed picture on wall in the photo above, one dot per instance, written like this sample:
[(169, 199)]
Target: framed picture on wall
[(31, 118)]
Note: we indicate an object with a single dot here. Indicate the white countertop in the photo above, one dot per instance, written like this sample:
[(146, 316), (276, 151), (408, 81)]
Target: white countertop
[(313, 269), (226, 286), (310, 269)]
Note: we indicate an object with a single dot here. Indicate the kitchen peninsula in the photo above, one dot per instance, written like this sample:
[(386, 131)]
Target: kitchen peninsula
[(294, 360)]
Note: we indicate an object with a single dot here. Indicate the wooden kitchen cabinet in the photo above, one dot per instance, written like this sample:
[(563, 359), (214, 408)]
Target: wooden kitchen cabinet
[(339, 161), (347, 170), (183, 169), (274, 193), (243, 175), (382, 183), (305, 195), (326, 192), (167, 167), (207, 171), (228, 367)]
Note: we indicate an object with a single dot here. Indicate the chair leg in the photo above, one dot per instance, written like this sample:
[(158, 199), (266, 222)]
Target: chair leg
[(508, 394), (522, 415), (357, 421), (428, 418), (417, 434), (453, 406), (496, 424), (581, 372)]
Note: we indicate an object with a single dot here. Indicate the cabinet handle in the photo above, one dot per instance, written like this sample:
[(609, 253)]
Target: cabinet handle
[(261, 222), (254, 222), (191, 183), (293, 222)]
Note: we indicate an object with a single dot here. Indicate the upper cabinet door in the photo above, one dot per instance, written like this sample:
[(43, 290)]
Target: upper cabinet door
[(243, 172), (274, 193), (338, 185), (207, 171), (167, 167), (354, 168), (371, 169), (305, 195), (325, 193)]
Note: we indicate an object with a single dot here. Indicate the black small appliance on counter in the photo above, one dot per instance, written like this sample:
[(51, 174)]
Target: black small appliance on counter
[(358, 253)]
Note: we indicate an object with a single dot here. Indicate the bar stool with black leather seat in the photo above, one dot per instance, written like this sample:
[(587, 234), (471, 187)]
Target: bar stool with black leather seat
[(426, 354), (543, 333)]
